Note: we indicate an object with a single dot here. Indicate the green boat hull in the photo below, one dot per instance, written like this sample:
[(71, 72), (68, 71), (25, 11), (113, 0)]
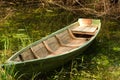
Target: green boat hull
[(40, 66), (27, 69)]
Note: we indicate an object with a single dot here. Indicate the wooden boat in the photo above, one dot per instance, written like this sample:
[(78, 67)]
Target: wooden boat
[(54, 50)]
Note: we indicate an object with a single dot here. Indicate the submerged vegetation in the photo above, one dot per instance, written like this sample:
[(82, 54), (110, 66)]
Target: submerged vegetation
[(20, 26)]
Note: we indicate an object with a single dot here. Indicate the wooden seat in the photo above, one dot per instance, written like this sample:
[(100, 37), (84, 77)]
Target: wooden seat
[(88, 30), (36, 51), (39, 50), (26, 55), (66, 38), (54, 46)]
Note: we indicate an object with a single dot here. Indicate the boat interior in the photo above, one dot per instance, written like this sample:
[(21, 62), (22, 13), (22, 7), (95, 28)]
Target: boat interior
[(60, 43)]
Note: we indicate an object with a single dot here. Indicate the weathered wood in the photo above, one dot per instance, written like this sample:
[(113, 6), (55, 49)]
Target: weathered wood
[(89, 29), (66, 45), (21, 58), (47, 47), (35, 56), (50, 52), (84, 33)]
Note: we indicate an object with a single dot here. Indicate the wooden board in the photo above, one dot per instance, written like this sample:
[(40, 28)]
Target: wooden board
[(89, 29)]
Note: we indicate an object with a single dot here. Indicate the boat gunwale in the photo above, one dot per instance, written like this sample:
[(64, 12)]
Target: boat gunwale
[(47, 37)]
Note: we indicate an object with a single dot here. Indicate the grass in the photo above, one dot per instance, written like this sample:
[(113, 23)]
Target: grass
[(100, 61)]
